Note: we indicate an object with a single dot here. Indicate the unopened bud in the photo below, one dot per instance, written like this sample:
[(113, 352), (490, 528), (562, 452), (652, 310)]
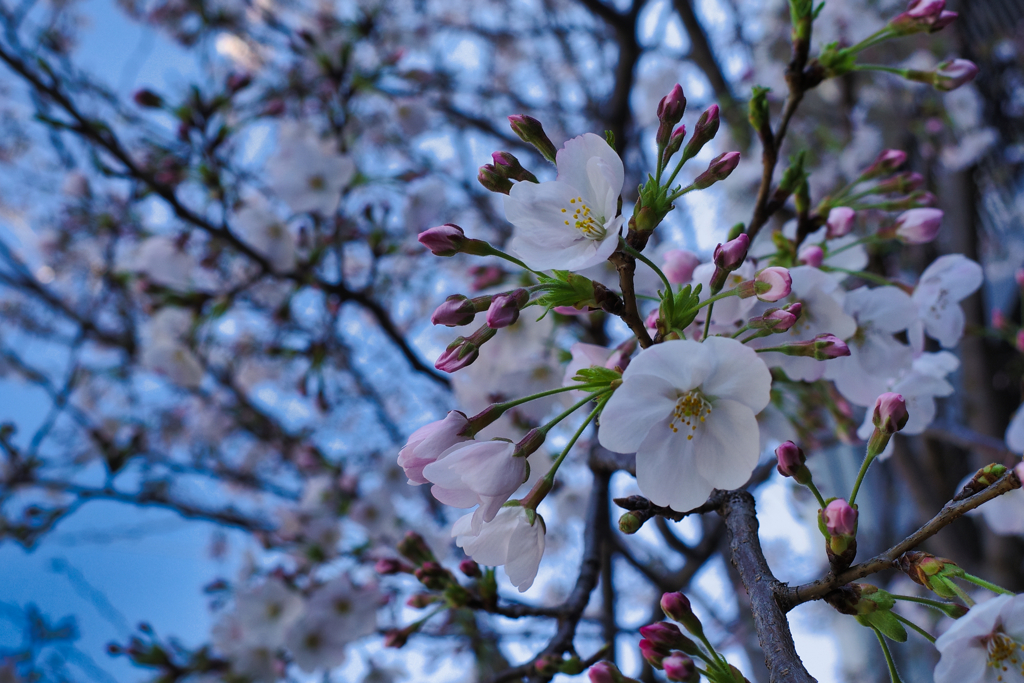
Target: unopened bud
[(773, 283), (470, 568), (719, 169), (703, 132), (653, 654), (920, 16), (791, 459), (890, 414), (822, 347), (456, 310), (775, 320), (676, 607), (951, 75), (413, 548), (840, 518), (885, 163), (443, 240), (679, 667), (605, 672), (934, 573), (531, 131), (916, 226), (840, 222), (670, 111), (421, 600), (493, 180), (904, 183), (630, 522), (667, 636), (464, 350), (504, 308), (728, 257), (981, 480), (389, 565), (432, 575), (509, 167), (675, 142), (397, 637), (811, 255)]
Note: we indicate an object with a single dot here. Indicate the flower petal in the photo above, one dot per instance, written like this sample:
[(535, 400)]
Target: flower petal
[(634, 408), (666, 472), (727, 448), (738, 374)]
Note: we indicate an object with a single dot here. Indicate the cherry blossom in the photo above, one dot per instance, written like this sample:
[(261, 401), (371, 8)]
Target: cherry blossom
[(305, 172), (875, 355), (336, 614), (943, 284), (427, 443), (481, 473), (570, 222), (266, 233), (514, 538), (986, 645), (688, 411)]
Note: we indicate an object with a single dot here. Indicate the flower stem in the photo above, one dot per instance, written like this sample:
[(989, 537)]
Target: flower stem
[(532, 397), (960, 593), (851, 245), (860, 477), (893, 674), (879, 67), (875, 38), (640, 257), (934, 604), (817, 494), (494, 251), (569, 411), (870, 277), (707, 322), (977, 581), (550, 476), (908, 622)]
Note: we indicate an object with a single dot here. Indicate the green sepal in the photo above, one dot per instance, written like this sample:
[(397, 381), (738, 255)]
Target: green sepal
[(886, 623), (564, 288), (596, 375)]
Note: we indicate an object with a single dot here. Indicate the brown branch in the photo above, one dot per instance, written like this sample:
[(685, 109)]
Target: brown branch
[(737, 509), (791, 597)]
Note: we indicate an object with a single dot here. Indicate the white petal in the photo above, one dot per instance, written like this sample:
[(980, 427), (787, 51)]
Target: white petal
[(572, 161), (526, 547), (666, 472), (738, 374), (1015, 431), (684, 364), (727, 449), (634, 408)]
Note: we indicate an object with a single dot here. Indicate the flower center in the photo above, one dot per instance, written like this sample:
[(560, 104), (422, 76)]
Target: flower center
[(317, 182), (584, 220), (1005, 655), (691, 409)]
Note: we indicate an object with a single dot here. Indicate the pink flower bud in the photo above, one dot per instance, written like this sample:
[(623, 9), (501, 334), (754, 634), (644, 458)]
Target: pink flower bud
[(890, 415), (676, 607), (509, 167), (773, 283), (604, 672), (458, 355), (811, 255), (703, 132), (679, 667), (455, 311), (651, 322), (504, 309), (469, 568), (147, 98), (730, 256), (951, 75), (665, 635), (670, 110), (791, 458), (444, 240), (493, 180), (829, 346), (675, 142), (944, 19), (918, 226), (781, 319), (652, 653), (885, 163), (678, 265), (998, 319), (926, 9), (389, 565), (531, 131), (840, 519), (719, 169), (840, 221)]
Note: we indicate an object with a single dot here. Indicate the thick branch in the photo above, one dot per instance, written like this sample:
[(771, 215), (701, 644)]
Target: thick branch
[(791, 597), (737, 508)]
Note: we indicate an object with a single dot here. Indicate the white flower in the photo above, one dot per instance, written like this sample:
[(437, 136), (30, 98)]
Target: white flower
[(427, 443), (307, 174), (514, 538), (570, 222), (986, 645), (337, 614), (822, 312), (266, 611), (688, 411), (1003, 514), (943, 284), (481, 473), (1015, 431), (875, 355), (165, 352), (266, 234)]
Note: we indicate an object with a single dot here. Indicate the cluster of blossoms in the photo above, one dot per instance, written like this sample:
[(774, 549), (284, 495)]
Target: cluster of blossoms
[(718, 351)]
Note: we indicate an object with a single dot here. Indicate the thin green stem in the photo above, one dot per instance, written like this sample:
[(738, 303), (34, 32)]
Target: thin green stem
[(875, 38), (550, 476), (880, 67), (569, 411), (817, 494), (681, 192), (977, 581), (851, 245), (860, 477), (934, 604), (893, 674), (716, 661), (717, 297), (908, 622), (532, 397), (740, 331), (494, 251), (707, 322), (960, 593)]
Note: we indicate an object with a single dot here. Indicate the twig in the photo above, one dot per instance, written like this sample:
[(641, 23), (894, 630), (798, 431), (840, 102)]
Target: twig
[(791, 597)]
